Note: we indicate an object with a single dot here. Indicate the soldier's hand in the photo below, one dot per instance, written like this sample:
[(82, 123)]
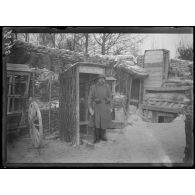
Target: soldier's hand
[(107, 101), (97, 101)]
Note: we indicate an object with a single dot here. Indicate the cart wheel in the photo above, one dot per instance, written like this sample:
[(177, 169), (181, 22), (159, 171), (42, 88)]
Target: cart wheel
[(35, 123)]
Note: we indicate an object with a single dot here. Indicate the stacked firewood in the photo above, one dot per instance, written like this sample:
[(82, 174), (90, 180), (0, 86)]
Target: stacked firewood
[(181, 68)]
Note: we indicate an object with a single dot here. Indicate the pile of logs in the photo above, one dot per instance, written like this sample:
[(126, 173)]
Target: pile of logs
[(180, 68)]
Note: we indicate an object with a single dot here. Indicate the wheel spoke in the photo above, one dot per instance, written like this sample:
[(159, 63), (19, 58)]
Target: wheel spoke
[(35, 118), (35, 122)]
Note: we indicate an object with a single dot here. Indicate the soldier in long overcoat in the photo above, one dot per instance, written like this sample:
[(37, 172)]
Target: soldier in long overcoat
[(100, 102)]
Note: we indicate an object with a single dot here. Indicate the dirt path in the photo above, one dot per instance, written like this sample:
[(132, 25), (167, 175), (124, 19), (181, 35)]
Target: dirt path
[(140, 142), (156, 143)]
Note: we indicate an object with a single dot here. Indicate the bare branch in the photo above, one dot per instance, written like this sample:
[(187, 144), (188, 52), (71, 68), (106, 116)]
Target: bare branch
[(97, 40), (112, 42)]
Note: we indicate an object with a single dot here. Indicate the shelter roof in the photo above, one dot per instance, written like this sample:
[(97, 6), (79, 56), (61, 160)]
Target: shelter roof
[(132, 69), (18, 67)]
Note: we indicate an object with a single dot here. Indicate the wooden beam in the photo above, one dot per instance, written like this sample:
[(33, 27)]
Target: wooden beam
[(129, 93), (9, 93), (18, 67), (161, 109), (151, 99), (33, 84), (77, 108), (49, 103), (84, 122), (92, 70), (134, 101), (86, 101), (161, 89), (13, 91), (140, 91)]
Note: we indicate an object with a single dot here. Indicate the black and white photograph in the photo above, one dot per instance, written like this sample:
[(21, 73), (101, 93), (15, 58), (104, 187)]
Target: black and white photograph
[(116, 97)]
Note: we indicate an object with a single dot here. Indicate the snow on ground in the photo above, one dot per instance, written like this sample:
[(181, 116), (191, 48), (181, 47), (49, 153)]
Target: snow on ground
[(156, 142), (138, 142)]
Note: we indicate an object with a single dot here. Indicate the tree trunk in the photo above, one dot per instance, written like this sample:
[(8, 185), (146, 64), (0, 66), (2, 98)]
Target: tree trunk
[(103, 44), (74, 41), (86, 43), (16, 36), (86, 46), (53, 38), (27, 37)]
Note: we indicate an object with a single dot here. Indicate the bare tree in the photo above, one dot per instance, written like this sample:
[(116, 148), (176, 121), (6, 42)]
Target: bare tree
[(106, 41), (53, 39), (26, 37), (86, 43), (128, 43)]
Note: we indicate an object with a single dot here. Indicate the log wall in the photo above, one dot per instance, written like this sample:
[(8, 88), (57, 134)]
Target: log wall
[(68, 105)]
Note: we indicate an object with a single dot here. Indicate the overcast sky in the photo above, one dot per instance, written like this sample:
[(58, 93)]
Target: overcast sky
[(165, 41)]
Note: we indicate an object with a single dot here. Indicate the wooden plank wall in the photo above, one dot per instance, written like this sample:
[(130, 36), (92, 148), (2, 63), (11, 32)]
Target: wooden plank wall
[(68, 107), (155, 77), (153, 63)]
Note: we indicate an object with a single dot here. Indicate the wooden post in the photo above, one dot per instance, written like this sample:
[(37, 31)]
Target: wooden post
[(86, 102), (113, 87), (86, 107), (13, 91), (9, 93), (50, 102), (77, 108), (140, 91), (129, 94), (33, 84)]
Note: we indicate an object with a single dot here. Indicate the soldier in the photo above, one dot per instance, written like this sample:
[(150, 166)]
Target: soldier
[(99, 107)]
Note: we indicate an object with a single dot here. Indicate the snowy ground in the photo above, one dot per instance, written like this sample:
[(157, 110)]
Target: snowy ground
[(138, 142)]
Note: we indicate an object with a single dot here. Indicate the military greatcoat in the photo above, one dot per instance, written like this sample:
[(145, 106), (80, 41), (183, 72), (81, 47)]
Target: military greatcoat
[(102, 108)]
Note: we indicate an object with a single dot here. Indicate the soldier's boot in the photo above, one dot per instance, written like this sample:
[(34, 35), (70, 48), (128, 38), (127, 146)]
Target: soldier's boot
[(97, 135), (103, 135)]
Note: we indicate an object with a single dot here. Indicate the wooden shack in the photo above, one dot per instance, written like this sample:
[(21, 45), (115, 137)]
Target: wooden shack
[(75, 83), (130, 81)]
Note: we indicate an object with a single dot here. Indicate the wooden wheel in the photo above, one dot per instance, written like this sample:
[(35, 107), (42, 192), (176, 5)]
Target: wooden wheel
[(35, 122)]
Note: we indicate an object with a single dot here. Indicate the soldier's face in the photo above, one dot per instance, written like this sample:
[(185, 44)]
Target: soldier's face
[(101, 80)]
